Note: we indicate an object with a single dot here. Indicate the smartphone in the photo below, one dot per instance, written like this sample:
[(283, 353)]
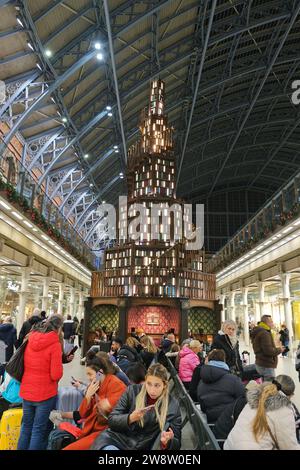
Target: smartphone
[(99, 376), (147, 408), (72, 351)]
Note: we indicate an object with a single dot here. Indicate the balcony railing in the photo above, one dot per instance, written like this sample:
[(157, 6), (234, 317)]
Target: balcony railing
[(281, 208), (19, 187)]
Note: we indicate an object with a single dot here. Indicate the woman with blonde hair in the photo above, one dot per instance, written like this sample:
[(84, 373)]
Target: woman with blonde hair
[(227, 340), (144, 412), (268, 421), (149, 350)]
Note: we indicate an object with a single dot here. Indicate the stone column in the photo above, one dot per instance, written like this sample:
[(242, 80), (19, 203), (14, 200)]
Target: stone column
[(261, 301), (72, 302), (232, 306), (222, 302), (246, 316), (45, 299), (81, 305), (285, 282), (61, 299), (23, 294)]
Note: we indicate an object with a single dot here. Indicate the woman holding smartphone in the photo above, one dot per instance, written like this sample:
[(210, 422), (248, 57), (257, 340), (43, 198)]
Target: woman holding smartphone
[(143, 412), (101, 396)]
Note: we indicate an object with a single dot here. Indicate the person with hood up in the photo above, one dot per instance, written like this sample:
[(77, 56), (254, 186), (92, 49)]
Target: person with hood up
[(227, 340), (8, 334), (42, 371), (217, 387), (266, 353), (267, 422), (188, 361)]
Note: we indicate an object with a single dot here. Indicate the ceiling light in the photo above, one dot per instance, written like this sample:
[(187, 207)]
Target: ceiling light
[(59, 113), (48, 53), (97, 46), (115, 146), (121, 177), (17, 215), (99, 56), (86, 155), (121, 174), (39, 66), (108, 108), (103, 202), (20, 21), (53, 100), (30, 45), (35, 230), (91, 185), (64, 119), (5, 205), (116, 151), (27, 223), (109, 114)]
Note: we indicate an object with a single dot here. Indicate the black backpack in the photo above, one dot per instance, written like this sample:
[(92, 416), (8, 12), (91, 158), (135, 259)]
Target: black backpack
[(58, 439)]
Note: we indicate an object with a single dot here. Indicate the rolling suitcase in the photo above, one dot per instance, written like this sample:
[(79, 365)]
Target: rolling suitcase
[(68, 399), (10, 428)]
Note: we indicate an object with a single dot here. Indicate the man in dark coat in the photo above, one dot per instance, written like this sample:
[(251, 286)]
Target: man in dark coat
[(266, 353), (168, 342), (8, 334)]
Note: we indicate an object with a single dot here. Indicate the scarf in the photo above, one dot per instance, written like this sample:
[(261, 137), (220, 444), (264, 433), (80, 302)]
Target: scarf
[(232, 339), (220, 364), (264, 326)]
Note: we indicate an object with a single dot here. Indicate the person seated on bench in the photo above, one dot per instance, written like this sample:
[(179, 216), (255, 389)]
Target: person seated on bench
[(143, 412), (217, 387)]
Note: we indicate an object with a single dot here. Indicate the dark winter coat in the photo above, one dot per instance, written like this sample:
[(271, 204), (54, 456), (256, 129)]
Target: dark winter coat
[(26, 327), (195, 382), (69, 329), (132, 436), (266, 354), (166, 345), (8, 334), (228, 417), (131, 354), (147, 357), (233, 359), (217, 388)]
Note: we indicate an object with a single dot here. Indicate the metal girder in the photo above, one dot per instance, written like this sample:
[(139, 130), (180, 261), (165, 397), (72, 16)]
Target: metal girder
[(64, 179), (47, 10), (83, 60), (17, 93), (203, 54), (257, 93), (87, 216), (233, 165), (113, 63), (274, 151), (67, 23), (202, 197), (87, 174), (75, 204), (42, 151), (79, 135)]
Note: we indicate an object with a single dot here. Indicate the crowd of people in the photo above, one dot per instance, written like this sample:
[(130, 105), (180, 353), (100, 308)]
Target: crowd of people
[(125, 402)]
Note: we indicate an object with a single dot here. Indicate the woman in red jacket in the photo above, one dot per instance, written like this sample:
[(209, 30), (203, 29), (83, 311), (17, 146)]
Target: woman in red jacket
[(101, 397), (42, 371)]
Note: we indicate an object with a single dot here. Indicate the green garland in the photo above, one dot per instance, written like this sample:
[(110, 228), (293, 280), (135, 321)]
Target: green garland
[(38, 219)]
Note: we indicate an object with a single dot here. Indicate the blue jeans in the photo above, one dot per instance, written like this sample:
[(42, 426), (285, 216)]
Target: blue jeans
[(36, 426), (266, 372)]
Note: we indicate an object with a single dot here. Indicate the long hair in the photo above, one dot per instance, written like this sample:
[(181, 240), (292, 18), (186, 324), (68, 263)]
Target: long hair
[(53, 323), (132, 342), (260, 423), (162, 403), (149, 344), (96, 363)]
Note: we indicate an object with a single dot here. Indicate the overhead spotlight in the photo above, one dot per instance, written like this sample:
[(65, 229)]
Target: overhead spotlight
[(115, 146), (20, 21), (103, 202), (39, 66), (97, 46), (52, 99), (86, 155), (117, 151), (30, 45), (121, 177), (48, 53), (121, 174), (64, 119), (108, 108), (99, 56), (109, 114), (91, 185)]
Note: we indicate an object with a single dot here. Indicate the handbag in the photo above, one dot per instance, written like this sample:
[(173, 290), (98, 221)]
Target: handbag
[(15, 366)]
